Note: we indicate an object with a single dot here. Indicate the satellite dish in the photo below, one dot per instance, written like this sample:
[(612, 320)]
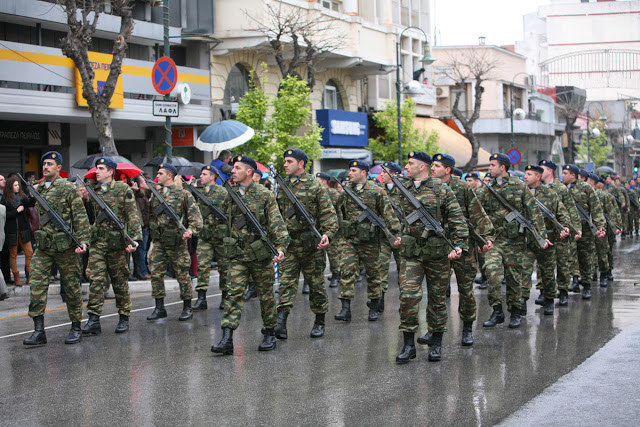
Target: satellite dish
[(519, 114)]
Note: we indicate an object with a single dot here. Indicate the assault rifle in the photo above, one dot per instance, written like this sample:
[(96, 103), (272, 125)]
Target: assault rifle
[(634, 201), (296, 208), (50, 214), (474, 233), (614, 229), (546, 212), (421, 213), (164, 206), (211, 208), (397, 210), (106, 214), (582, 212), (514, 214), (367, 213), (248, 218)]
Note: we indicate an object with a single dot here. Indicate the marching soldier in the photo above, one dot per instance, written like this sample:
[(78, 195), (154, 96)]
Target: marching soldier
[(473, 179), (304, 253), (169, 242), (214, 229), (54, 247), (614, 223), (333, 250), (249, 255), (425, 253), (618, 195), (585, 197), (108, 255), (465, 267), (624, 198), (362, 239)]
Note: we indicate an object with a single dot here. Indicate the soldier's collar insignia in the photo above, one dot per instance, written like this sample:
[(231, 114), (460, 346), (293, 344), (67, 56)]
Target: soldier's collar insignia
[(390, 186), (293, 179), (165, 189), (359, 187), (47, 184), (242, 190), (417, 184), (499, 180), (104, 187), (207, 188)]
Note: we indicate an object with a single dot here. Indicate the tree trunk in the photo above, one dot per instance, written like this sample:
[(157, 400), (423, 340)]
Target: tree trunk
[(568, 128)]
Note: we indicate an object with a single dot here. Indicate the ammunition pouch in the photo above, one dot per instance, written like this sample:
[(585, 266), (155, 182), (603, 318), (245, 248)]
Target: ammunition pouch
[(61, 242), (171, 237), (260, 251), (230, 248), (434, 247), (347, 229), (512, 229), (409, 247), (207, 233), (367, 232), (154, 231), (115, 242), (220, 231), (308, 240), (43, 242)]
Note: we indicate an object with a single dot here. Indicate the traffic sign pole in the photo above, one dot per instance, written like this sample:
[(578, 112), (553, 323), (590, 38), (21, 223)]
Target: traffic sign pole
[(167, 125)]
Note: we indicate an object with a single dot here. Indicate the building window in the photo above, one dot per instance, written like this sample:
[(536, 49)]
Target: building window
[(237, 85), (331, 98), (462, 104), (332, 4)]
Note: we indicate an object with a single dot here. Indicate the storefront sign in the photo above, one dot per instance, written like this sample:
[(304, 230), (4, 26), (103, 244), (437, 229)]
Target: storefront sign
[(101, 65), (343, 128)]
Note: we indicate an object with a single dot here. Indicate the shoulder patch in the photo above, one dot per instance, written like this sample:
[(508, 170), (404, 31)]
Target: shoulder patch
[(129, 195)]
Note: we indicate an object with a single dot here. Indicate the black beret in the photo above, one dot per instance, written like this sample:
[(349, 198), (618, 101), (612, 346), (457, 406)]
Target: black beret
[(594, 177), (211, 169), (473, 175), (501, 157), (548, 163), (323, 175), (393, 167), (420, 155), (584, 173), (52, 155), (296, 153), (169, 167), (445, 159), (572, 168), (534, 168), (247, 161), (457, 171), (360, 164), (107, 161)]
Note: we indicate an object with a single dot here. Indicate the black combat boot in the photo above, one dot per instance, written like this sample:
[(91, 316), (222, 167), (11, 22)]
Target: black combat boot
[(515, 318), (345, 313), (201, 302), (381, 303), (75, 334), (373, 310), (281, 328), (269, 341), (38, 337), (604, 281), (586, 292), (540, 299), (92, 326), (335, 279), (225, 345), (496, 317), (484, 283), (564, 298), (187, 311), (251, 292), (594, 278), (548, 307), (425, 339), (436, 347), (123, 324), (575, 285), (408, 350), (467, 334), (222, 298), (159, 312), (318, 326), (305, 287), (610, 275), (523, 307), (448, 291)]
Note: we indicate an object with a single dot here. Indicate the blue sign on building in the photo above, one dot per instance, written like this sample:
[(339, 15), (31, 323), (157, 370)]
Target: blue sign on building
[(343, 128)]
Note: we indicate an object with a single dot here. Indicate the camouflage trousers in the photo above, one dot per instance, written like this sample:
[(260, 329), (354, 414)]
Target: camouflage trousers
[(204, 253), (181, 262), (635, 218), (104, 264), (505, 261), (311, 264), (586, 248), (385, 261), (465, 269), (237, 280), (611, 239), (546, 271), (574, 266), (40, 274), (601, 255), (354, 257), (414, 271), (481, 258), (334, 253), (564, 263)]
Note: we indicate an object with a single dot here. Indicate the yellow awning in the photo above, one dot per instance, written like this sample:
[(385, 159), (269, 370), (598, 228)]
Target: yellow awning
[(451, 142)]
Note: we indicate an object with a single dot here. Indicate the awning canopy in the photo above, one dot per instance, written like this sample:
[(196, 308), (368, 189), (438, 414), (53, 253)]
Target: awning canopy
[(451, 142)]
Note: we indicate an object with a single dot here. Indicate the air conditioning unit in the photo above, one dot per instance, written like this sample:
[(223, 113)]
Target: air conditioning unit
[(442, 92)]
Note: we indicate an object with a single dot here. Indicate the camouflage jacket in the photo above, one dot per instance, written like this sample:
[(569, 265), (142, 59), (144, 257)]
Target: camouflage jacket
[(264, 207), (394, 194), (565, 197), (120, 198), (183, 203), (316, 202), (472, 208), (519, 196), (584, 194), (433, 194), (634, 201), (619, 198), (609, 207), (333, 195), (64, 197), (548, 197), (217, 195)]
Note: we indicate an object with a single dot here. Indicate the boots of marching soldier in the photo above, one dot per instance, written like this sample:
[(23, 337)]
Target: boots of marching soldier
[(373, 310), (496, 317), (281, 328), (482, 281), (345, 312), (269, 341), (523, 307), (575, 285), (75, 334), (540, 299), (381, 303), (305, 287), (408, 350), (123, 324), (515, 320), (335, 280), (467, 334), (187, 311), (252, 292), (563, 298), (225, 345), (610, 275), (222, 298), (436, 347), (318, 326), (159, 312), (594, 277), (201, 302), (548, 307), (586, 291), (604, 280), (38, 337), (425, 339), (92, 326)]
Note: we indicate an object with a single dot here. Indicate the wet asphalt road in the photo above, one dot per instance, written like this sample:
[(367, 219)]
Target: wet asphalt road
[(163, 373)]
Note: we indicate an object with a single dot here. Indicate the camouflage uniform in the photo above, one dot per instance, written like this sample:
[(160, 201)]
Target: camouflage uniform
[(635, 211), (168, 243), (619, 198), (53, 247), (243, 260), (423, 253), (210, 240), (107, 258), (334, 250), (465, 266), (361, 244), (605, 245), (386, 250), (566, 248), (505, 260), (302, 253)]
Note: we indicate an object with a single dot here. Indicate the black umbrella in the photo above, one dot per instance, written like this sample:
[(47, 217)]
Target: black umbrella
[(175, 161), (607, 170), (519, 174), (190, 170), (89, 161)]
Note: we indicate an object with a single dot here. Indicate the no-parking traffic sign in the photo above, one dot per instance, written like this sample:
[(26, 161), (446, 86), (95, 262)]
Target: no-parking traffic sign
[(164, 75)]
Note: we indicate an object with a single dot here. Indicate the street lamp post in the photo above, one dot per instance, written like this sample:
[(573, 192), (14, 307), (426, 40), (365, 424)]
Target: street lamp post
[(426, 59), (596, 132), (629, 139)]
